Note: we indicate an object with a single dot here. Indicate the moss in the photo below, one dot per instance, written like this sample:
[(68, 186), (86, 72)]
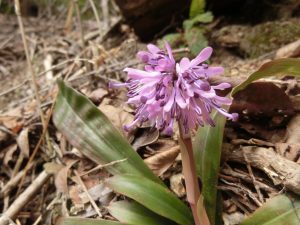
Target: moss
[(270, 36)]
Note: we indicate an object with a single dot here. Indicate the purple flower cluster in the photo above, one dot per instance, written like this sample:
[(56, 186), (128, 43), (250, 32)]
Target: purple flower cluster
[(166, 91)]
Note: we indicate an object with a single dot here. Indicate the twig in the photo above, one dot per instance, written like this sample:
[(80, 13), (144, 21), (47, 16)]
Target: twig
[(103, 166), (260, 196), (13, 88), (31, 71), (13, 182), (96, 16), (88, 194), (28, 165), (79, 22), (24, 198), (105, 12)]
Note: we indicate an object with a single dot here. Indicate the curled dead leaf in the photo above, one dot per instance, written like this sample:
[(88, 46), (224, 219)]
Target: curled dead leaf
[(61, 178), (147, 136), (161, 162), (23, 142), (117, 116), (9, 151)]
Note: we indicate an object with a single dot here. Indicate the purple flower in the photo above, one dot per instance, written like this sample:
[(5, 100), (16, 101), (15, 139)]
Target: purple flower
[(166, 91)]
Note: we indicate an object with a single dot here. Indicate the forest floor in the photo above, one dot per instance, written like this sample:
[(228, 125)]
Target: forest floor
[(260, 150)]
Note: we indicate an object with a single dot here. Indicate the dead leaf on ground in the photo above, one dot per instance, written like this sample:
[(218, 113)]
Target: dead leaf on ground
[(10, 150), (116, 115), (97, 95), (233, 218), (160, 163), (264, 103), (176, 185), (61, 178), (145, 136), (53, 168), (293, 131), (23, 142), (12, 120)]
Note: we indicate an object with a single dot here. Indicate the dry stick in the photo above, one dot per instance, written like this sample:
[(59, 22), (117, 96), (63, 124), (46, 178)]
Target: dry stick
[(24, 198), (28, 165), (190, 176), (103, 166), (13, 182), (260, 196), (32, 73), (88, 194), (105, 12), (96, 16), (80, 29)]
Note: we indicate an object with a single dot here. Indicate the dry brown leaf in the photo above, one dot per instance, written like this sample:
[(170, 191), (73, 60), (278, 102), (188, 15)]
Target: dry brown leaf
[(53, 168), (161, 162), (23, 142), (176, 185), (97, 95), (12, 120), (293, 131), (61, 179), (74, 194), (117, 116), (147, 137), (10, 150)]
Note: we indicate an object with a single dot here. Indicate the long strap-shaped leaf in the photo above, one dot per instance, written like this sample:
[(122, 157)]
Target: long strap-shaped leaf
[(277, 211), (276, 67), (85, 221), (90, 131), (136, 214), (207, 150), (153, 196)]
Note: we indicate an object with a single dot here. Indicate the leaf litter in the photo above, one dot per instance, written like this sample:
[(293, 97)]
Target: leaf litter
[(268, 128)]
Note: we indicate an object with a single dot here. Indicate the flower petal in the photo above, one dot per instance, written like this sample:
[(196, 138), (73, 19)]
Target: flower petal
[(153, 48), (202, 56)]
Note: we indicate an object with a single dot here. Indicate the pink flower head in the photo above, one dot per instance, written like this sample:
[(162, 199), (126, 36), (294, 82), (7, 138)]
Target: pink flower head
[(167, 91)]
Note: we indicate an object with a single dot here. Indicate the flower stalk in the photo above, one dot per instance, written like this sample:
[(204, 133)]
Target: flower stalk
[(190, 176)]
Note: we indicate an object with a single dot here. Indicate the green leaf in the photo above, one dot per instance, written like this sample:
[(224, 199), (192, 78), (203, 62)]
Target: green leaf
[(207, 149), (276, 211), (90, 131), (197, 7), (195, 40), (206, 17), (85, 221), (174, 39), (136, 214), (153, 196), (286, 66)]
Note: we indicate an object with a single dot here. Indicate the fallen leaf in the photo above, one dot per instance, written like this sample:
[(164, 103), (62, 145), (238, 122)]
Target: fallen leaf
[(264, 103), (176, 185), (97, 95), (53, 168), (23, 142), (293, 131), (145, 136), (61, 178), (233, 218), (116, 115), (10, 150), (160, 163), (12, 120)]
